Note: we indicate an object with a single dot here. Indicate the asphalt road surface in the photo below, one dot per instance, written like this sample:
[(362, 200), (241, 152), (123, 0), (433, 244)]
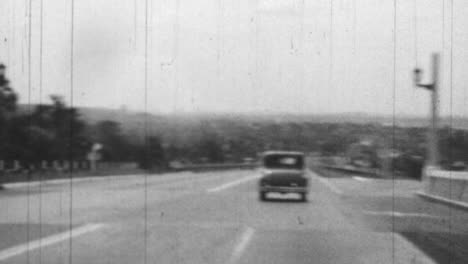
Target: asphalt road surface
[(216, 217)]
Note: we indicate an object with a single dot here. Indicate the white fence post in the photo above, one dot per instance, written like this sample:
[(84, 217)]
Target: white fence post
[(16, 165), (56, 165), (66, 165), (44, 164)]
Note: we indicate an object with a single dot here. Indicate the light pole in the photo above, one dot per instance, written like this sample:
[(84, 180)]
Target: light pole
[(433, 87)]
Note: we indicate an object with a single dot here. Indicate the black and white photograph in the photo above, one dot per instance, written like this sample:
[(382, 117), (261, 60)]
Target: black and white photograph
[(234, 131)]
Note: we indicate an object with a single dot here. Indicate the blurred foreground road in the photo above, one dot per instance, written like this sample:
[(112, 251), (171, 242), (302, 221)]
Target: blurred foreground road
[(216, 217)]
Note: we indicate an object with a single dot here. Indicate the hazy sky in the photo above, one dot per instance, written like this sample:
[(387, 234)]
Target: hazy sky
[(238, 55)]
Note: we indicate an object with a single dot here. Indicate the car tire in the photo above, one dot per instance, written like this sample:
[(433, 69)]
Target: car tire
[(303, 197), (262, 196)]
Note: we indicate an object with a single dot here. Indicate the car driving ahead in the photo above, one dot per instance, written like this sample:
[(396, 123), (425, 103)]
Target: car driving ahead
[(283, 172)]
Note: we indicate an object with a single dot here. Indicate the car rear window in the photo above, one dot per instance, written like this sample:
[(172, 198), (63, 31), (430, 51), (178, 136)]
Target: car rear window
[(283, 161)]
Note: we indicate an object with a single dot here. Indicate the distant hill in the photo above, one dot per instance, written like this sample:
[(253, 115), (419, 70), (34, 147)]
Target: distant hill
[(129, 117), (137, 121)]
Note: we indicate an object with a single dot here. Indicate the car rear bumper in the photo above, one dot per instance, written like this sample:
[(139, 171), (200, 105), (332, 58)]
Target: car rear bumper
[(284, 189)]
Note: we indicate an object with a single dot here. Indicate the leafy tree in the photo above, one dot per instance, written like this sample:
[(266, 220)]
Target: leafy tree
[(151, 154), (68, 129), (8, 101), (211, 149), (51, 132), (116, 146), (8, 97)]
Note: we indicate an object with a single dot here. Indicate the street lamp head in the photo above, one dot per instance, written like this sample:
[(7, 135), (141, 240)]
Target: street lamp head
[(417, 76)]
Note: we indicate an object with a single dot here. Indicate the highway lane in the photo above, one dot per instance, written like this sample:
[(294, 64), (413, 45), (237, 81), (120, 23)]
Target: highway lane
[(209, 217), (392, 206)]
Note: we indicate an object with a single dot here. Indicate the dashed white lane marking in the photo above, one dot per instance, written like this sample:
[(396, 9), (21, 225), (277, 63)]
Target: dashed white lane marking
[(47, 241), (233, 183), (241, 245), (362, 179), (399, 214)]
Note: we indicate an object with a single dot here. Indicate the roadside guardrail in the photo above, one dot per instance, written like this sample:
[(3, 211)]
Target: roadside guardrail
[(350, 169), (445, 186)]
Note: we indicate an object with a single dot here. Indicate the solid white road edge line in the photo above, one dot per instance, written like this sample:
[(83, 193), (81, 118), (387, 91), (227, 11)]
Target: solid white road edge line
[(241, 245), (232, 183), (442, 199), (47, 241), (399, 214)]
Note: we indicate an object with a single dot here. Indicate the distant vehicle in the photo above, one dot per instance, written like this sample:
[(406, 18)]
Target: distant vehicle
[(283, 172), (458, 166)]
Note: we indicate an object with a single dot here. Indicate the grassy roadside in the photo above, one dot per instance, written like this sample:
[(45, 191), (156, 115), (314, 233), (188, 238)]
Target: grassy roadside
[(43, 175), (24, 176)]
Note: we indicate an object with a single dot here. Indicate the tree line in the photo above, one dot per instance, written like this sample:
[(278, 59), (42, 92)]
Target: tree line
[(56, 131)]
